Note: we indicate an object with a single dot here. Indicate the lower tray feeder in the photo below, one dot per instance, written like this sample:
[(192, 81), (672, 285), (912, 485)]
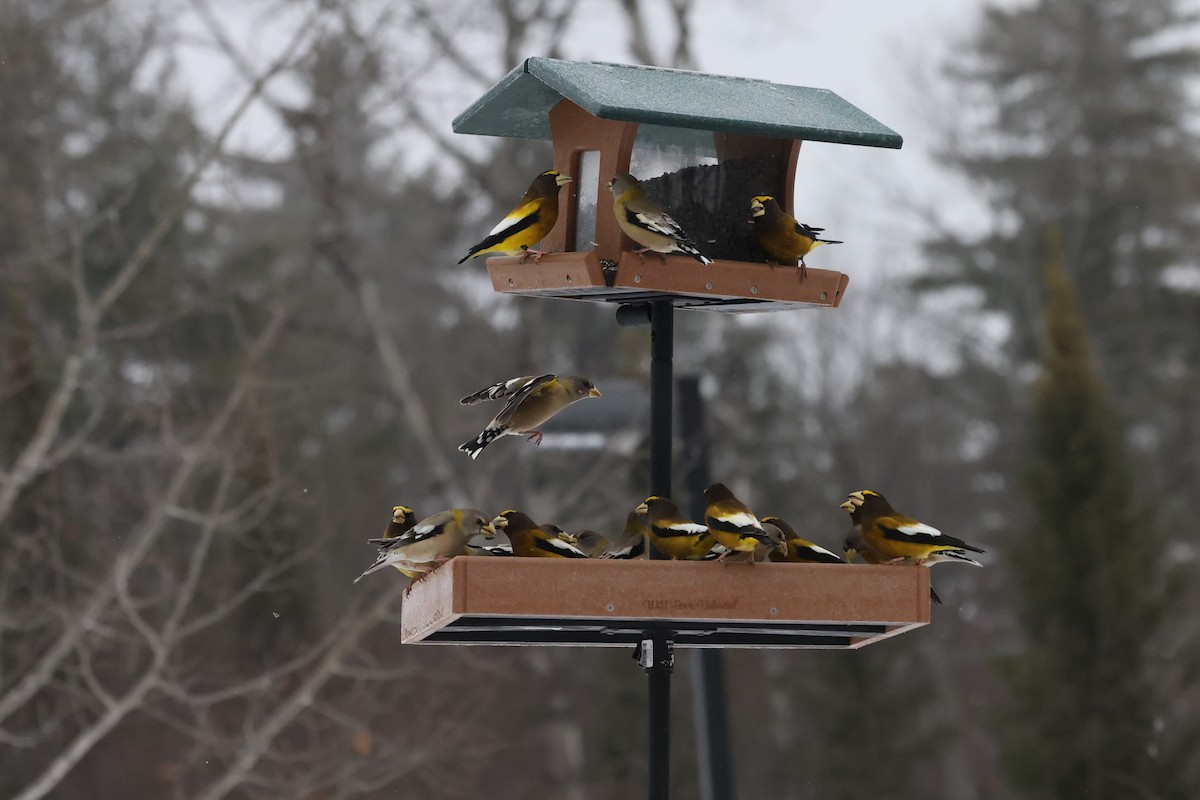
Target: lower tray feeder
[(609, 603), (727, 286)]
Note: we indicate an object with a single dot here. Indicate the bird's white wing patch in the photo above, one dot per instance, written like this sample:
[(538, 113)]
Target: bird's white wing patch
[(742, 520), (660, 223), (559, 544), (513, 218), (689, 528), (919, 528), (820, 549)]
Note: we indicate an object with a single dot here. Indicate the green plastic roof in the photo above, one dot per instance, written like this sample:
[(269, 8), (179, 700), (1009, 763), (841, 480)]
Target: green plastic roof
[(517, 106)]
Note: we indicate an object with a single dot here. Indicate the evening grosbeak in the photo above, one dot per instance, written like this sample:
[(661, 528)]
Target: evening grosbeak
[(632, 541), (403, 520), (531, 540), (591, 543), (644, 221), (528, 223), (674, 535), (731, 523), (780, 236), (528, 406), (855, 545), (902, 539), (796, 549), (431, 542)]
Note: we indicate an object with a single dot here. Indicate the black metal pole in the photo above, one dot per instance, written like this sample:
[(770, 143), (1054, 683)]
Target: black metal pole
[(713, 757), (662, 344), (659, 660)]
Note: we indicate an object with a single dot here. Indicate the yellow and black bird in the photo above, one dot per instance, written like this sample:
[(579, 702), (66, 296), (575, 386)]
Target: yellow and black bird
[(632, 541), (644, 221), (532, 540), (899, 538), (403, 520), (676, 536), (854, 544), (796, 549), (731, 522), (529, 405), (528, 223), (431, 542), (781, 237)]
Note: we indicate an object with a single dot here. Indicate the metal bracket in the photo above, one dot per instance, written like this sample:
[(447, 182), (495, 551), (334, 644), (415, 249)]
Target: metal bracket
[(660, 658), (633, 315)]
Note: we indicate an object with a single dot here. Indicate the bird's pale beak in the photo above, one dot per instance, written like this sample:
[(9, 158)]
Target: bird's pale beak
[(857, 496), (850, 554), (563, 180), (489, 530), (642, 509), (847, 506), (498, 524), (594, 392), (568, 538)]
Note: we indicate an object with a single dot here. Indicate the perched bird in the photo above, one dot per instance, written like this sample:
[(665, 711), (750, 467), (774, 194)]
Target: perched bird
[(431, 542), (531, 540), (731, 523), (855, 545), (528, 223), (781, 237), (632, 541), (644, 221), (674, 535), (403, 520), (591, 543), (901, 539), (528, 406), (797, 549)]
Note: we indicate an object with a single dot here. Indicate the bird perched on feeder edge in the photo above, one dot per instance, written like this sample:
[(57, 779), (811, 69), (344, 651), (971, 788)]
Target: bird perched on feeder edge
[(528, 406), (644, 221), (676, 536), (403, 520), (899, 538), (796, 549), (430, 543), (528, 223), (731, 522), (632, 541), (855, 545), (780, 236), (591, 543), (531, 540)]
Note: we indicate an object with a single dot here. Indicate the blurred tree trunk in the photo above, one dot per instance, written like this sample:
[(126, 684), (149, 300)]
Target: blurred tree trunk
[(1090, 595)]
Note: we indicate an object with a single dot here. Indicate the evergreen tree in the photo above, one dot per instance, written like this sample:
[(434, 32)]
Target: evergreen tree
[(1088, 589)]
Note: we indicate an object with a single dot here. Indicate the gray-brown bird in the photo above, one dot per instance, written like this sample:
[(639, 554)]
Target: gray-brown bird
[(431, 542), (632, 541), (591, 543), (528, 406), (644, 221)]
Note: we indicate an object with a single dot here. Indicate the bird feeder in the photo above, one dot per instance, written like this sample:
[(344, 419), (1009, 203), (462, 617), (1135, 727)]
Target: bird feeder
[(702, 145)]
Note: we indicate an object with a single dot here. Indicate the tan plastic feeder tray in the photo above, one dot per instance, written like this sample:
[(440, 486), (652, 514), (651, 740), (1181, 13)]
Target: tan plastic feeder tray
[(729, 286), (534, 601)]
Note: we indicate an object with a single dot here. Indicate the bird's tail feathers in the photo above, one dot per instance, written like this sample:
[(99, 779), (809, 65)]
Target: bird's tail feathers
[(959, 555), (378, 565), (474, 447)]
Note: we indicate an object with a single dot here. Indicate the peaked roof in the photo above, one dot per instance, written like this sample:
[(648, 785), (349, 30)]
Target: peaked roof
[(517, 106)]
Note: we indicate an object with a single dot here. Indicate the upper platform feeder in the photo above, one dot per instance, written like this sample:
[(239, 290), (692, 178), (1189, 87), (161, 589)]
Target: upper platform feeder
[(702, 146)]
